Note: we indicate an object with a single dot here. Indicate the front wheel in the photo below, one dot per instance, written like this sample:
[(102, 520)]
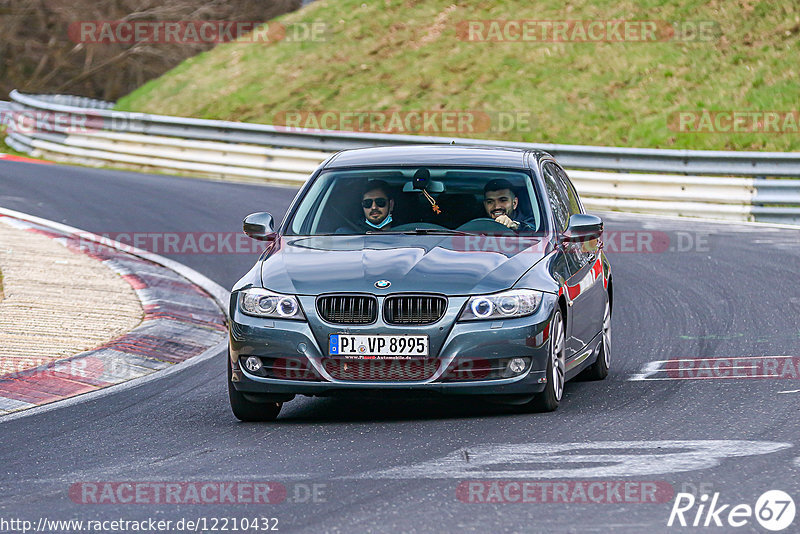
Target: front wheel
[(249, 410), (549, 399)]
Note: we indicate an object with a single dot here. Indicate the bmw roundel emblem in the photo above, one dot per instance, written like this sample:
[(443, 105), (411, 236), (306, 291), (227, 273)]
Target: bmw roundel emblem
[(382, 284)]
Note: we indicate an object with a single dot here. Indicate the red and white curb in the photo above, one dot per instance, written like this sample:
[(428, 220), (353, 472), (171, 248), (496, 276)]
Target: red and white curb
[(184, 321), (22, 159)]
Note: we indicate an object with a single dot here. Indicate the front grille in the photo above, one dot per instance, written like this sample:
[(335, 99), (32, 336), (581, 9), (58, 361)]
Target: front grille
[(414, 309), (348, 309), (381, 369)]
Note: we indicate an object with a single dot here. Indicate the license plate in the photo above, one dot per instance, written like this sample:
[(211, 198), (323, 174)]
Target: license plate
[(415, 346)]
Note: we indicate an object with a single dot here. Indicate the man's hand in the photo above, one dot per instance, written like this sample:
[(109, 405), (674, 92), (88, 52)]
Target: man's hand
[(506, 221)]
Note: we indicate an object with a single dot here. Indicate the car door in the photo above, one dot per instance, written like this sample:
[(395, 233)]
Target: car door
[(563, 266), (586, 283), (575, 261)]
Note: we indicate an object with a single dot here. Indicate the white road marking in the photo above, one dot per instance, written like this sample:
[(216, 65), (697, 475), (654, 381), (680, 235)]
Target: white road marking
[(649, 368), (791, 391), (519, 460), (654, 370)]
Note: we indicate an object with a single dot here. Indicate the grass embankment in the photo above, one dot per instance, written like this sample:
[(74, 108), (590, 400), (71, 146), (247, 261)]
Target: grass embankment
[(407, 55)]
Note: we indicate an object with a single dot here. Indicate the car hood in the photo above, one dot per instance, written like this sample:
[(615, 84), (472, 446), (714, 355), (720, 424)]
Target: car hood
[(453, 265)]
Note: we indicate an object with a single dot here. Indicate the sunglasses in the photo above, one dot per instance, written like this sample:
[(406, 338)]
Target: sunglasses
[(380, 202)]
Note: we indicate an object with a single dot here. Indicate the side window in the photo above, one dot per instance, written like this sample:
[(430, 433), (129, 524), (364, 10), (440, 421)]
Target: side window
[(574, 203), (557, 194)]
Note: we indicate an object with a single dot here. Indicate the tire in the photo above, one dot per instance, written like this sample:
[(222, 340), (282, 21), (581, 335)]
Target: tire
[(549, 399), (599, 369), (248, 410)]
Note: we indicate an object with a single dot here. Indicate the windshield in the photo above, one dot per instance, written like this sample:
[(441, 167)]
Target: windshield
[(419, 200)]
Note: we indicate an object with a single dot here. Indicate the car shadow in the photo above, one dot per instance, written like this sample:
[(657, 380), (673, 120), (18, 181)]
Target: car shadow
[(385, 408)]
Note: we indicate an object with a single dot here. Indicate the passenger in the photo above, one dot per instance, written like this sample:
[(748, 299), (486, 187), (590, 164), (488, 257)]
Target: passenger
[(378, 204), (501, 202)]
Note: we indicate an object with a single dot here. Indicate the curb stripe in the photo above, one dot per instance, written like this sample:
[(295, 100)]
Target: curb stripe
[(22, 159), (181, 321)]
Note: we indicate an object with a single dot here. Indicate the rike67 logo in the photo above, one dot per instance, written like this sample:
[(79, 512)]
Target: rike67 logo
[(774, 510)]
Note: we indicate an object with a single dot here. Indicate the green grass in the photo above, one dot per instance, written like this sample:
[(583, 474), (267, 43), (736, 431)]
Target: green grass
[(406, 55)]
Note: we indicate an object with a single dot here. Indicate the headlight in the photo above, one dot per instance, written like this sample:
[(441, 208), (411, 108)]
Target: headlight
[(264, 303), (506, 305)]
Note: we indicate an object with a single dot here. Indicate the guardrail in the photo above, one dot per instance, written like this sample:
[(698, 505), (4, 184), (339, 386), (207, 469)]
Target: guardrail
[(644, 180)]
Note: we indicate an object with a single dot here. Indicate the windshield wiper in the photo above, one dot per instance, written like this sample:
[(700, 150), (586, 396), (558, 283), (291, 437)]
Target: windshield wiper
[(431, 231)]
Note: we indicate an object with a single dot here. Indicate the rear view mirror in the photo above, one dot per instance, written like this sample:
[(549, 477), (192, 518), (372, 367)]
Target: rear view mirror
[(432, 187), (259, 226), (583, 227), (422, 182)]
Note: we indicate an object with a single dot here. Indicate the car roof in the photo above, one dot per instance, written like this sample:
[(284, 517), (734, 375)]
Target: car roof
[(450, 155)]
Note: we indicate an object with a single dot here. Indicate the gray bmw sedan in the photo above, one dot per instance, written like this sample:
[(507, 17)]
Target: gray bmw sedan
[(424, 270)]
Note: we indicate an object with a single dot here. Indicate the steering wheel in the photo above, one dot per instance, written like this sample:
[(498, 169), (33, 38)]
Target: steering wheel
[(485, 224)]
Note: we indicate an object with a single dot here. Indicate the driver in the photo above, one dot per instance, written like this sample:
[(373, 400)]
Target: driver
[(377, 203), (501, 203)]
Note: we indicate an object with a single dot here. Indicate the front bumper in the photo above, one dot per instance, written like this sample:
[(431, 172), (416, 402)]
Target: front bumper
[(452, 344)]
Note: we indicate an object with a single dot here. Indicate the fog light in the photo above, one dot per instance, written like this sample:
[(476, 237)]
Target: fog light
[(516, 365), (253, 364)]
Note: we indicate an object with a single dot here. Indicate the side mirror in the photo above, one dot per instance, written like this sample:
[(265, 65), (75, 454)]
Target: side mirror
[(583, 227), (259, 226)]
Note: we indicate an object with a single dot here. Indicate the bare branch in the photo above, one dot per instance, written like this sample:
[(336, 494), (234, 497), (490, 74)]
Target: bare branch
[(37, 55)]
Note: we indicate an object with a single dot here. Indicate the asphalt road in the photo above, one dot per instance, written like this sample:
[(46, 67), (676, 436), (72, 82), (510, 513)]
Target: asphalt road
[(388, 465)]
